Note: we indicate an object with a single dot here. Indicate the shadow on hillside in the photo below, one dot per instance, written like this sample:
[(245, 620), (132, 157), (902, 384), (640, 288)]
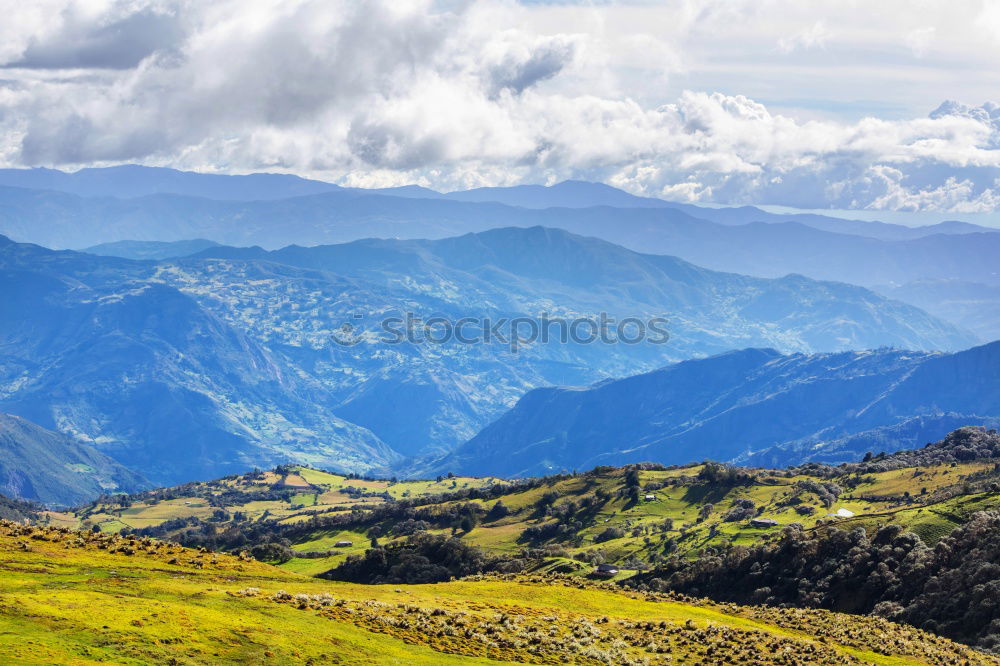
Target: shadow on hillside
[(704, 494)]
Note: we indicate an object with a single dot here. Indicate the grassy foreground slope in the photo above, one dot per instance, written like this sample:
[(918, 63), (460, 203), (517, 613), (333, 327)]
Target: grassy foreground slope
[(84, 597)]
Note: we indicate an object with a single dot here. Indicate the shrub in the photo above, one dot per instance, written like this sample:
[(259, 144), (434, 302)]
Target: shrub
[(609, 534), (949, 589), (497, 511), (741, 510), (272, 552), (422, 558)]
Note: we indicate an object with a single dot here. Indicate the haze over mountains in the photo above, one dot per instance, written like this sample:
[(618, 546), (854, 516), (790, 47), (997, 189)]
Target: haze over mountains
[(756, 248), (197, 367), (133, 181), (50, 467), (128, 249), (181, 348), (272, 210)]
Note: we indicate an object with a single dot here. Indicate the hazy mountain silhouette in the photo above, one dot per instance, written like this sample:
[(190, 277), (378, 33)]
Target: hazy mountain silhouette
[(151, 249), (223, 360), (49, 467), (765, 249), (752, 405), (139, 370)]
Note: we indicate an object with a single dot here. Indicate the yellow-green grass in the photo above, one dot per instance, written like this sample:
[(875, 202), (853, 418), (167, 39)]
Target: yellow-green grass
[(496, 537), (323, 541), (60, 519), (682, 504), (335, 498), (562, 602), (931, 522), (258, 507), (319, 492), (142, 514), (66, 600), (326, 542), (313, 566), (294, 480), (112, 526), (147, 515), (915, 480), (670, 521), (62, 606), (678, 503), (422, 488), (305, 499), (397, 490), (320, 478)]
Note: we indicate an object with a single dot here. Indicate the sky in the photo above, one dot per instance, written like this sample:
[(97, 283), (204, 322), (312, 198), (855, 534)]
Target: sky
[(880, 106)]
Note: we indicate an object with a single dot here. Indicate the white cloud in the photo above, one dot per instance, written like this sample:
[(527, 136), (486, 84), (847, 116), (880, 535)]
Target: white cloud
[(989, 18), (919, 40), (483, 93), (815, 36), (881, 188)]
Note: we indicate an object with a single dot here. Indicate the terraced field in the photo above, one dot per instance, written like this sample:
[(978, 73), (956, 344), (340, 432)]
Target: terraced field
[(285, 496), (627, 516), (298, 493), (90, 597), (880, 498)]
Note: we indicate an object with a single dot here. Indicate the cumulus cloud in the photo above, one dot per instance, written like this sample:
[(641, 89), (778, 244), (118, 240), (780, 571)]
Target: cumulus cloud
[(513, 65), (987, 115), (79, 41), (459, 94), (883, 187)]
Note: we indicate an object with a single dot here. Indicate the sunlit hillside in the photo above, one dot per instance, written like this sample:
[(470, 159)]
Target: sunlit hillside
[(632, 517), (70, 597)]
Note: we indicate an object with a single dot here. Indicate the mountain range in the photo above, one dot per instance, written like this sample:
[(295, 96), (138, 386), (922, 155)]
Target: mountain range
[(763, 249), (50, 467), (975, 305), (131, 181), (93, 348), (754, 406), (116, 210), (213, 363), (60, 219), (190, 340), (129, 249)]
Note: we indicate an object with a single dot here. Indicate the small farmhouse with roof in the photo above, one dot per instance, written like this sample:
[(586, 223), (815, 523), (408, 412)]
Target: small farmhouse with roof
[(763, 523), (606, 571)]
